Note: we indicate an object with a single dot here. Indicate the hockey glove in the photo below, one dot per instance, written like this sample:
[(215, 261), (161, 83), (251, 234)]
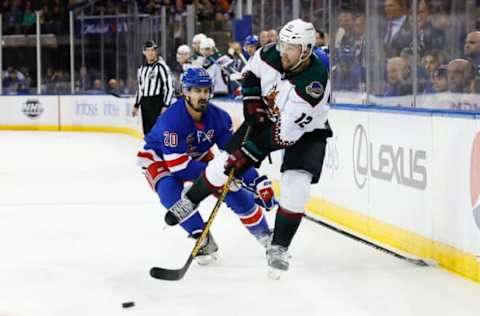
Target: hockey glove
[(241, 159), (263, 190), (255, 111)]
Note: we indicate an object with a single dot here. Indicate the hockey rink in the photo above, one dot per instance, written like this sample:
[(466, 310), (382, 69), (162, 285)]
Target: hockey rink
[(80, 229)]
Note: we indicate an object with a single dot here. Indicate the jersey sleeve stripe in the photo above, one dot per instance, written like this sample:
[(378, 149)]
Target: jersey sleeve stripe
[(146, 158), (178, 164)]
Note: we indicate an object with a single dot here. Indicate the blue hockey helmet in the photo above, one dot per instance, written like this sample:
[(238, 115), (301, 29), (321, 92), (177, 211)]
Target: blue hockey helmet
[(196, 77), (251, 40)]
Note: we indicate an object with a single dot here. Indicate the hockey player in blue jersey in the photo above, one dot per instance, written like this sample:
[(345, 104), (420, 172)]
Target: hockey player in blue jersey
[(178, 149)]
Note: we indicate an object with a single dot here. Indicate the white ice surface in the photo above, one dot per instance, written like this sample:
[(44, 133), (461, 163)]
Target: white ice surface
[(80, 229)]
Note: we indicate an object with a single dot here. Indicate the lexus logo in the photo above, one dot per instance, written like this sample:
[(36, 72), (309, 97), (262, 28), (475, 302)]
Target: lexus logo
[(475, 179), (405, 166), (360, 156)]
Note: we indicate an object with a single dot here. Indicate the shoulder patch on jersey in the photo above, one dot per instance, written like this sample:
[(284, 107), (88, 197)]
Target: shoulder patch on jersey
[(310, 84), (271, 56), (314, 89)]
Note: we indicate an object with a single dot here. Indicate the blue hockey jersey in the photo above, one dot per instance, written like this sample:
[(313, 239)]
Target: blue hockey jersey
[(183, 145)]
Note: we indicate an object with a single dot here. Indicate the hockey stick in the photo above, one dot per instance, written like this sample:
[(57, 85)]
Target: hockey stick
[(418, 262), (177, 274)]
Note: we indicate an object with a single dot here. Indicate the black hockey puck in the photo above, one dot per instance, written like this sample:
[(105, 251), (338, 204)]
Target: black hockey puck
[(128, 304)]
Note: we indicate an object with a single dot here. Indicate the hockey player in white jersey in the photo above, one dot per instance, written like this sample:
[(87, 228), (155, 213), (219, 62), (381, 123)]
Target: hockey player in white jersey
[(286, 93), (216, 65)]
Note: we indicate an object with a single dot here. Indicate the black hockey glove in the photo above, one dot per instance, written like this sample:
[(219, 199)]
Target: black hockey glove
[(255, 111), (243, 158)]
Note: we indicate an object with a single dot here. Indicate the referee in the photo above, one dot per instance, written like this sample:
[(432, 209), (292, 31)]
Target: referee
[(155, 87)]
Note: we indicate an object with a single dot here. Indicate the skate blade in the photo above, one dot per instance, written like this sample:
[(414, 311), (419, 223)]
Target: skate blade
[(206, 260), (275, 274)]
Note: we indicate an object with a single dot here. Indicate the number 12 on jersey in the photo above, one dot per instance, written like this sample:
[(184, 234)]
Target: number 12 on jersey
[(303, 120)]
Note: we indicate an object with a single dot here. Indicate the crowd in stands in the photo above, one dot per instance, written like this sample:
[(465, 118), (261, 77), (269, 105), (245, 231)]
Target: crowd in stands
[(206, 10), (19, 16), (438, 69)]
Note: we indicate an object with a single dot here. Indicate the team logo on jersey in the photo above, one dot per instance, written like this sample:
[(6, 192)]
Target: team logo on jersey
[(475, 179), (271, 96), (315, 89), (202, 136), (32, 108)]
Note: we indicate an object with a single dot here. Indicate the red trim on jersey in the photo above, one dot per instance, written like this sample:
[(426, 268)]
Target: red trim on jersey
[(289, 214), (253, 218), (199, 125), (144, 154), (176, 162)]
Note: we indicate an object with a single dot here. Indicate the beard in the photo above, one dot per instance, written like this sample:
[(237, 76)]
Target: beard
[(201, 106)]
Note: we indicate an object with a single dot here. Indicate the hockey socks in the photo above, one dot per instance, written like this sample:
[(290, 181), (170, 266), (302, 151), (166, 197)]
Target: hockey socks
[(255, 222), (286, 225)]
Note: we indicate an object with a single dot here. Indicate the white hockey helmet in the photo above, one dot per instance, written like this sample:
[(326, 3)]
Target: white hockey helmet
[(197, 38), (183, 49), (298, 32), (207, 43)]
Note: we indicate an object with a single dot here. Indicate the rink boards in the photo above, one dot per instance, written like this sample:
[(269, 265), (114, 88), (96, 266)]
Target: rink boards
[(407, 179)]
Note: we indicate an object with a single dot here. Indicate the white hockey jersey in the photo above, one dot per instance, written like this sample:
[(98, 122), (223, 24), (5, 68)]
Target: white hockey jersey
[(301, 99)]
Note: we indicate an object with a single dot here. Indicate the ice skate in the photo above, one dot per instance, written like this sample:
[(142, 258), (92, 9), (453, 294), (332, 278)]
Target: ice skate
[(208, 251), (265, 239), (278, 260)]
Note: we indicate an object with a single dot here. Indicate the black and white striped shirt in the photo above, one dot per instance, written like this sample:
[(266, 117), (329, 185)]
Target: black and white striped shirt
[(155, 80)]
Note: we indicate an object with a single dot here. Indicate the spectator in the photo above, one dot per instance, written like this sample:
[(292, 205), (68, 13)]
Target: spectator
[(263, 38), (46, 19), (29, 19), (398, 34), (431, 61), (459, 75), (429, 37), (321, 39), (11, 83), (344, 36), (347, 75), (14, 18), (97, 87), (359, 39), (113, 86), (272, 36), (398, 77), (84, 82), (472, 47), (423, 78), (439, 79)]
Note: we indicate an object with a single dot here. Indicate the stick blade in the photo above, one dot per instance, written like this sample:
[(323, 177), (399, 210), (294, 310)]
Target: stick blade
[(170, 274)]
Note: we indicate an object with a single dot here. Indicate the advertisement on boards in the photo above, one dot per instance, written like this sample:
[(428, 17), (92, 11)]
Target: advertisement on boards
[(337, 180), (97, 111), (29, 110)]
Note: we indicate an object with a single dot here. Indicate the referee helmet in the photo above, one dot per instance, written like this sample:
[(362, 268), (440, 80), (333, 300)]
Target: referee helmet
[(149, 44)]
